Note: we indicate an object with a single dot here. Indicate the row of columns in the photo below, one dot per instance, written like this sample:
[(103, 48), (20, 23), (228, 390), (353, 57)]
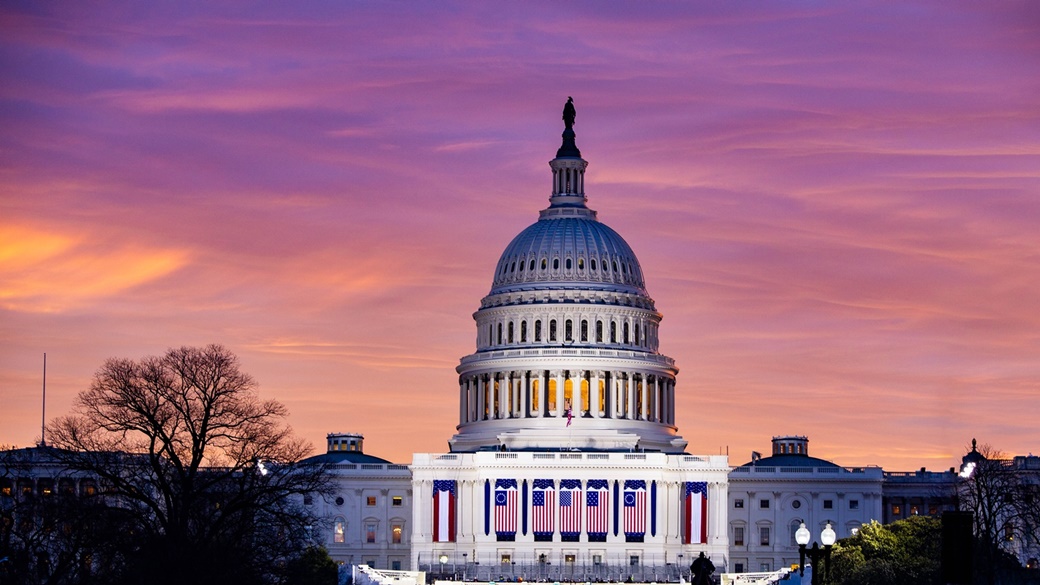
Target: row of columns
[(568, 181), (624, 395), (670, 511)]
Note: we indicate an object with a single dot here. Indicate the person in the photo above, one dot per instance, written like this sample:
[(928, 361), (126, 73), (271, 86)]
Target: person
[(701, 570)]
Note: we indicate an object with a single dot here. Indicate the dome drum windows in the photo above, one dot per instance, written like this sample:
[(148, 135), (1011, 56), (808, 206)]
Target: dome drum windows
[(568, 330), (584, 330), (523, 332), (552, 330), (538, 330)]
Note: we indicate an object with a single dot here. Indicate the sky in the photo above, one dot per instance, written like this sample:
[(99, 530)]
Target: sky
[(836, 205)]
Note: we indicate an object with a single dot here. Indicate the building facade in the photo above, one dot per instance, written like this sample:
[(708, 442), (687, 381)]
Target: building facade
[(567, 461), (770, 497), (369, 515)]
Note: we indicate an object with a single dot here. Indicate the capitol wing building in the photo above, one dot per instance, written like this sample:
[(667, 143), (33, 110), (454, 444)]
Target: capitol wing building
[(567, 461)]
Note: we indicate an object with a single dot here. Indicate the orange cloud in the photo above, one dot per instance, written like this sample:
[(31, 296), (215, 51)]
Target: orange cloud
[(44, 272)]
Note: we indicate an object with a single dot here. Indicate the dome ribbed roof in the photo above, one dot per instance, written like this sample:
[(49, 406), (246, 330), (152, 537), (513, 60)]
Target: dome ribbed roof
[(561, 252)]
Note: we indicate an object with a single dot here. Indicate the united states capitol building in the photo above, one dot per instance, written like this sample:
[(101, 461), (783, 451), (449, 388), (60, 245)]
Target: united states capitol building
[(567, 461)]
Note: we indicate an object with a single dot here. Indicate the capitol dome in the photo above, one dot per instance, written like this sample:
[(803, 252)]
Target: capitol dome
[(566, 353), (564, 251)]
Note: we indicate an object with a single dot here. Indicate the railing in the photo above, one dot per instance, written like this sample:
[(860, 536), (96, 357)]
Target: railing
[(864, 471), (642, 356), (553, 572)]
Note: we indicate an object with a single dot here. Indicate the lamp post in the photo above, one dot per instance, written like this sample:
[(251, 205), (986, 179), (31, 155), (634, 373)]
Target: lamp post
[(681, 567), (443, 559), (827, 537), (464, 565)]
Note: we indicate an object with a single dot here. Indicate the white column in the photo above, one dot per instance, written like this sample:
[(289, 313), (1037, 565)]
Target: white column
[(630, 393), (644, 415), (594, 393), (559, 393), (480, 397), (525, 394), (577, 403)]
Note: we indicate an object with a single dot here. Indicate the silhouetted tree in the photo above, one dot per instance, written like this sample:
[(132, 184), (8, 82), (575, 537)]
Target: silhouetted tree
[(207, 474)]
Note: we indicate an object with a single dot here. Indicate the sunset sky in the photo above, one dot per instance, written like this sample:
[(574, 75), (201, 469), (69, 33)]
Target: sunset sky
[(836, 205)]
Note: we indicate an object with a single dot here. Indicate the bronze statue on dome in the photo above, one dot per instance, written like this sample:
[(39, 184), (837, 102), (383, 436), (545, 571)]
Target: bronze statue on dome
[(568, 112)]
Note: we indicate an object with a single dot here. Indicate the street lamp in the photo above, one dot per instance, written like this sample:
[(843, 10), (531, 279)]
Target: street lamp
[(827, 537), (464, 565), (444, 560), (681, 567)]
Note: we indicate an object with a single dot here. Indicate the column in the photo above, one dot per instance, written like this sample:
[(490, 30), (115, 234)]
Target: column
[(630, 391), (576, 402), (462, 402), (559, 393), (594, 393), (525, 396), (481, 382), (645, 415)]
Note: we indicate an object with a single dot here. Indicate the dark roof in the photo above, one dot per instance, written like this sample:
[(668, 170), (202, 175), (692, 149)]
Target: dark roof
[(346, 457), (790, 461)]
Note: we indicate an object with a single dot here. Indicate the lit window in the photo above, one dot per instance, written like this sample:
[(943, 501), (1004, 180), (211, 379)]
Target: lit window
[(338, 531), (396, 501), (395, 532), (581, 263), (897, 509), (370, 532), (370, 500)]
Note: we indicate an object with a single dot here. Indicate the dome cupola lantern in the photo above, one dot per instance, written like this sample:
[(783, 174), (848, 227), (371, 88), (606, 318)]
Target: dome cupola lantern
[(568, 166)]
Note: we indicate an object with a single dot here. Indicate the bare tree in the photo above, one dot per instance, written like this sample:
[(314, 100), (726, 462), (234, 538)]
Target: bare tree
[(1001, 493), (210, 475)]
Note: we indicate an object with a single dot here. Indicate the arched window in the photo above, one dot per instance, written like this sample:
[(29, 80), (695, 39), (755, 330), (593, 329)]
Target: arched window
[(584, 330), (614, 264), (552, 330), (625, 326), (599, 331), (530, 265), (538, 330), (545, 263), (523, 332), (581, 264), (339, 531), (512, 267), (568, 264), (568, 330), (522, 263), (509, 338), (613, 332), (592, 264), (556, 263), (637, 338), (500, 334)]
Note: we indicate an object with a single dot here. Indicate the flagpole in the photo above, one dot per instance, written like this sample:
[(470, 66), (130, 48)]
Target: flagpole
[(43, 414)]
